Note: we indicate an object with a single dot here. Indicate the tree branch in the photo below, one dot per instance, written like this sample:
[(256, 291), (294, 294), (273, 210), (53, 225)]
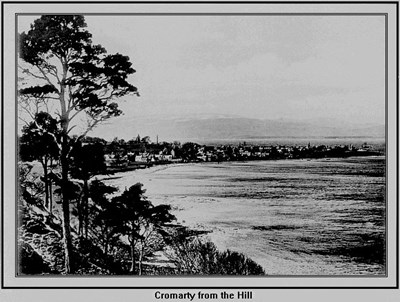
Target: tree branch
[(45, 76), (25, 122), (26, 70)]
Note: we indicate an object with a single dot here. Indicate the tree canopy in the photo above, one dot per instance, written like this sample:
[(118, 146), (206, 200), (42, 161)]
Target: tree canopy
[(139, 219), (59, 65), (66, 66), (39, 139)]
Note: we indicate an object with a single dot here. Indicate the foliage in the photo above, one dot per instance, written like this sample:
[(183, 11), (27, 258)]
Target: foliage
[(189, 151), (30, 185), (192, 255), (62, 65), (87, 160), (102, 214), (60, 53), (30, 262), (124, 232), (234, 263), (39, 141), (40, 247), (139, 221)]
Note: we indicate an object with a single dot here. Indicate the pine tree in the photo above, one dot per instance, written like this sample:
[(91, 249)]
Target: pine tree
[(64, 67)]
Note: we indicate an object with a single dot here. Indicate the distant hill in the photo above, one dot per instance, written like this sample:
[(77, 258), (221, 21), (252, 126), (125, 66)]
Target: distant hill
[(213, 128), (241, 128)]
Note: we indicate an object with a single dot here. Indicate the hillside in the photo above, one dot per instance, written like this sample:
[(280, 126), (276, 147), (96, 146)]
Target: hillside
[(213, 128)]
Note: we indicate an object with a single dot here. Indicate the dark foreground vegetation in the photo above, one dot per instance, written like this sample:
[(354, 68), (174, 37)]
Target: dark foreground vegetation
[(114, 235)]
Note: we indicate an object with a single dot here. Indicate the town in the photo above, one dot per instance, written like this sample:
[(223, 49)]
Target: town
[(141, 152)]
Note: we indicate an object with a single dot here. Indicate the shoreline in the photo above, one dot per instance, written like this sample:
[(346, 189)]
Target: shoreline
[(163, 166), (257, 227)]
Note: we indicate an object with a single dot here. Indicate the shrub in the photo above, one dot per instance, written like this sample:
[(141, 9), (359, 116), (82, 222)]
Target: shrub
[(192, 255), (234, 263)]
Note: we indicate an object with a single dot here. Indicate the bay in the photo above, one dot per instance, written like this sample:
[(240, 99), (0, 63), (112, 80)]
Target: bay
[(294, 217)]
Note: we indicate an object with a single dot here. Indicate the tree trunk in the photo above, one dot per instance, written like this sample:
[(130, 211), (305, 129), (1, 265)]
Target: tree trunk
[(80, 216), (46, 181), (51, 189), (140, 261), (64, 119), (105, 246), (133, 265), (85, 206), (51, 196), (65, 206)]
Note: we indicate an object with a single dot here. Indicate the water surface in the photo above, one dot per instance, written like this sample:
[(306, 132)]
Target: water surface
[(294, 217)]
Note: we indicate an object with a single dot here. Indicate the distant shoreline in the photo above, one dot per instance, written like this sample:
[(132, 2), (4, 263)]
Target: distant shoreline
[(291, 141), (166, 165)]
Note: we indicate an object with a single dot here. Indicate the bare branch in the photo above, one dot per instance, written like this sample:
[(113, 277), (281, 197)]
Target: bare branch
[(33, 105), (71, 102), (27, 71), (25, 122), (45, 75), (27, 109), (26, 106), (75, 114), (71, 129)]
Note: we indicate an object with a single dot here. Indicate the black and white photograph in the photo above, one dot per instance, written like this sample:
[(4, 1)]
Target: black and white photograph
[(224, 142)]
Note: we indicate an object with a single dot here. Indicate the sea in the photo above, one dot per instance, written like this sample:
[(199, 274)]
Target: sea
[(294, 217)]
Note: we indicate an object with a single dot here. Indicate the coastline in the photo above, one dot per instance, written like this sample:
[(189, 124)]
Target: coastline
[(163, 166), (232, 222)]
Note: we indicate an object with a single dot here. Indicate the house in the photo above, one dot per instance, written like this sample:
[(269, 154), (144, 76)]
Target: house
[(142, 158)]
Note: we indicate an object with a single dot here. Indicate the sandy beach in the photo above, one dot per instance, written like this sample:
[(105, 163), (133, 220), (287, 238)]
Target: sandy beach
[(293, 217)]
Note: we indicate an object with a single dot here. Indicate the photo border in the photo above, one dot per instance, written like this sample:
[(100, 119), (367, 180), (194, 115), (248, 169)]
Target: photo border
[(271, 276)]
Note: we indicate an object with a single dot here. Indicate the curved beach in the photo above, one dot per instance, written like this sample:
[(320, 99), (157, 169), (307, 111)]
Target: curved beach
[(293, 217)]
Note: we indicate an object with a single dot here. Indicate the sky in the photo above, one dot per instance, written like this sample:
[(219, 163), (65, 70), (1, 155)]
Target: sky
[(266, 67)]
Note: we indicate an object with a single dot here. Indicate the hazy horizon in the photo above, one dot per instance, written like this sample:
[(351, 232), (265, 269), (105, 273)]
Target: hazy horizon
[(291, 68), (216, 127)]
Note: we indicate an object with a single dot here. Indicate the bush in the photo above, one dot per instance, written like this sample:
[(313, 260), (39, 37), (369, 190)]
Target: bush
[(194, 256), (234, 263)]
